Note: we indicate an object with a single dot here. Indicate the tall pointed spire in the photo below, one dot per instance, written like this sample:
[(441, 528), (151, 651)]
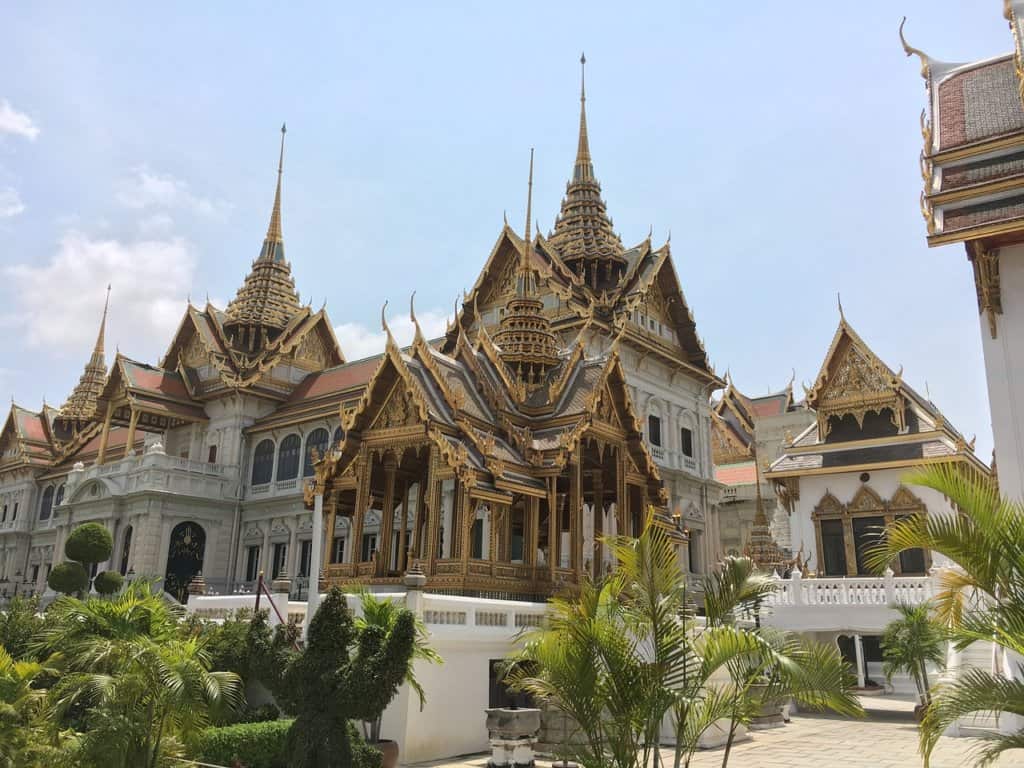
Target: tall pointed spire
[(583, 232), (267, 300), (584, 168), (528, 346), (273, 245), (80, 406)]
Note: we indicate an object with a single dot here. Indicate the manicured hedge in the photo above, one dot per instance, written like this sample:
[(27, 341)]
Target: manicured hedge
[(108, 583), (254, 745)]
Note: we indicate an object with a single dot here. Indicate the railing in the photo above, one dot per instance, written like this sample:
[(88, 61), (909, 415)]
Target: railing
[(885, 590), (21, 524), (657, 451)]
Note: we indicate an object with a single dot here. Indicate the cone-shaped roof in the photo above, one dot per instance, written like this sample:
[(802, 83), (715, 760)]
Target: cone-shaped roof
[(583, 229), (267, 298), (528, 346), (81, 403)]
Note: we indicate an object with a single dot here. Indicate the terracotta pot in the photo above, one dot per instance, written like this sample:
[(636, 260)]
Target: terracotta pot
[(390, 751)]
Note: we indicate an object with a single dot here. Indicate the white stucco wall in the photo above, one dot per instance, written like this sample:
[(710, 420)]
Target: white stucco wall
[(844, 487), (1004, 370)]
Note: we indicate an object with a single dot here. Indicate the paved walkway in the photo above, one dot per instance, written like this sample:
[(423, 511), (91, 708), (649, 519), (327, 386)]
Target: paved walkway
[(886, 739)]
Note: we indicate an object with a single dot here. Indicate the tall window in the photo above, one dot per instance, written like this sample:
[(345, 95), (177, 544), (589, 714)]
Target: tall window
[(47, 504), (694, 551), (477, 541), (369, 546), (305, 555), (126, 548), (654, 430), (338, 549), (686, 441), (252, 562), (912, 560), (14, 512), (59, 498), (211, 457), (288, 458), (280, 559), (317, 439), (339, 435), (833, 547), (263, 463), (3, 516)]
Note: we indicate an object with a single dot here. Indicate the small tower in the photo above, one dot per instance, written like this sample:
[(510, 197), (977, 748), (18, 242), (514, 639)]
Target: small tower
[(80, 407), (583, 232), (267, 300), (528, 347)]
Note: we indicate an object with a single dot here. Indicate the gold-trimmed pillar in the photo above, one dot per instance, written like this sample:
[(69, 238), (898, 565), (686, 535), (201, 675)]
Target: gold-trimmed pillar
[(359, 513), (133, 422), (387, 514), (400, 559)]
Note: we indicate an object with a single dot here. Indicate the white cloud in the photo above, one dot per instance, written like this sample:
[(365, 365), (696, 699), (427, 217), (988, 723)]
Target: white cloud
[(358, 341), (17, 123), (146, 188), (58, 305), (10, 202), (158, 223)]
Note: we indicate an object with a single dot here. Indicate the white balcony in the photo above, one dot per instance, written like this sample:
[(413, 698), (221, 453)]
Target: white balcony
[(861, 604), (156, 471), (15, 526)]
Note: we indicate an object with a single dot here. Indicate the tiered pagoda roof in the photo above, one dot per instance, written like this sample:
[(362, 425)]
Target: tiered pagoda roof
[(584, 236), (80, 407), (267, 301)]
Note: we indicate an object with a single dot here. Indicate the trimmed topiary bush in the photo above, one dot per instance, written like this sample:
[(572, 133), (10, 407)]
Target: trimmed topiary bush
[(108, 582), (89, 543), (252, 745), (68, 578)]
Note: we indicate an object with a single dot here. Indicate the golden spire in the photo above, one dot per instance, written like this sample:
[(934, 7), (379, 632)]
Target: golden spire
[(528, 347), (584, 169), (583, 232), (524, 261), (273, 246), (81, 403), (267, 300)]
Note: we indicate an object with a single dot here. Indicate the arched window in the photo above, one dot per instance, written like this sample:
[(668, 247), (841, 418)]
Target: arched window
[(126, 549), (288, 458), (47, 505), (317, 439), (60, 496), (339, 435), (263, 463)]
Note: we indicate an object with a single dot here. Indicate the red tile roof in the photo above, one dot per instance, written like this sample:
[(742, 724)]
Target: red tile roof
[(146, 377), (773, 405), (336, 379), (737, 474)]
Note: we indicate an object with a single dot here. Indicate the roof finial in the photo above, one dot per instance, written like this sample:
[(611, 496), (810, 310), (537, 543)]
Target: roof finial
[(384, 323), (912, 51), (839, 300), (274, 229), (584, 168), (524, 265), (412, 316), (97, 351)]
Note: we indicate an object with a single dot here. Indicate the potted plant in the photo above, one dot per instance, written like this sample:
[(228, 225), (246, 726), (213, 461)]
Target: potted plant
[(382, 616), (909, 644)]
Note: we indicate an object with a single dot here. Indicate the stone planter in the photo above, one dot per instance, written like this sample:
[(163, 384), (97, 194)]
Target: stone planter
[(389, 749), (770, 715), (513, 735)]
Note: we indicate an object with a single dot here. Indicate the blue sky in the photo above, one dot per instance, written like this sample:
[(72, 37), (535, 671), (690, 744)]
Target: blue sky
[(777, 142)]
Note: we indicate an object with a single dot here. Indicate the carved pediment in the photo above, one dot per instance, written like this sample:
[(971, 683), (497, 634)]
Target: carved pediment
[(865, 500), (311, 351), (398, 410), (195, 354), (856, 378), (829, 505), (606, 410), (905, 499)]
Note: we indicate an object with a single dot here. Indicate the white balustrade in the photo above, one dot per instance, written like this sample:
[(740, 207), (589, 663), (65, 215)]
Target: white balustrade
[(886, 590)]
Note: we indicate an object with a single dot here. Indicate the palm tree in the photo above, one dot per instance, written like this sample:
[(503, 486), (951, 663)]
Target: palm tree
[(383, 613), (981, 597), (910, 643), (133, 683), (622, 657)]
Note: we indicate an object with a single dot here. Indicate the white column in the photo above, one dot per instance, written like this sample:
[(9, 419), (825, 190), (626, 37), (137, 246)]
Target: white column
[(266, 562), (292, 562), (858, 647), (313, 599)]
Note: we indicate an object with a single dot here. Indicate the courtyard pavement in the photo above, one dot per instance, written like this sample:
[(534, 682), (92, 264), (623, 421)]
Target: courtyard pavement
[(887, 738)]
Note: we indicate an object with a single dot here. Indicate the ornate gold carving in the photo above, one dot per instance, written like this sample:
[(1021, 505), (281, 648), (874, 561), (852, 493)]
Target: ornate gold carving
[(311, 350), (195, 353), (985, 262), (856, 384), (865, 500), (398, 411)]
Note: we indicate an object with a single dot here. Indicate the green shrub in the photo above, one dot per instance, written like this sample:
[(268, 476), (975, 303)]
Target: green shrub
[(20, 622), (253, 745), (108, 582), (89, 543), (68, 578)]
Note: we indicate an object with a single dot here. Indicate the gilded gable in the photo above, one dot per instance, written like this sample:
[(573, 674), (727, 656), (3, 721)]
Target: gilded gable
[(195, 354), (398, 410), (865, 500), (311, 351)]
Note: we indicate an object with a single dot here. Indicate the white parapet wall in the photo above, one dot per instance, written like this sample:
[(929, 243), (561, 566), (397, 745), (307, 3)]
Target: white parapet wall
[(468, 632)]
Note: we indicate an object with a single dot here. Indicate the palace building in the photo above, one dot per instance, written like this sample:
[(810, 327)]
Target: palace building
[(569, 398)]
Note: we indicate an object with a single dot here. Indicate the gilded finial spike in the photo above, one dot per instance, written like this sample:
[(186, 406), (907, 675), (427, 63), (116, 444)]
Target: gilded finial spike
[(383, 320), (839, 301), (912, 51), (524, 265), (412, 316), (274, 235)]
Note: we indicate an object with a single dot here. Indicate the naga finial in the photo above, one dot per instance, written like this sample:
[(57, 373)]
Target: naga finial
[(384, 322), (412, 315), (839, 301), (912, 51)]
